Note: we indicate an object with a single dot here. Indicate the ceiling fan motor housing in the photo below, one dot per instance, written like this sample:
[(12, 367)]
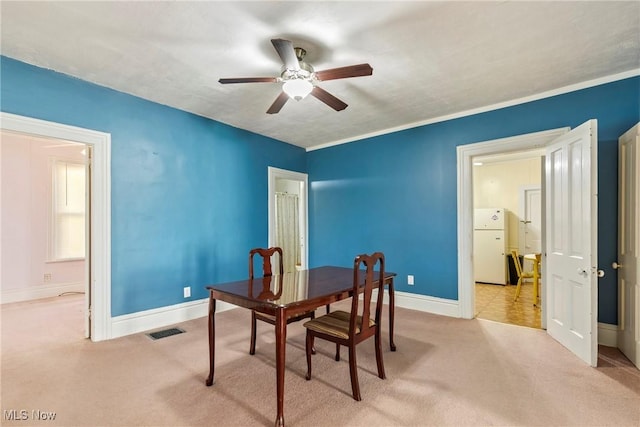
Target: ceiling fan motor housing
[(305, 72)]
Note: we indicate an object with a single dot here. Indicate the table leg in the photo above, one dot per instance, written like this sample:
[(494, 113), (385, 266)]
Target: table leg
[(281, 340), (392, 305), (212, 338)]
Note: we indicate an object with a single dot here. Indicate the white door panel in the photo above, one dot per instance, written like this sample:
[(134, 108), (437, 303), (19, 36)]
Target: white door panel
[(571, 239), (629, 244), (530, 227), (533, 212)]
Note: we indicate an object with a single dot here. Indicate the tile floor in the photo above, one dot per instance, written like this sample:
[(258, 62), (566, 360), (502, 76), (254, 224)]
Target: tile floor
[(495, 302)]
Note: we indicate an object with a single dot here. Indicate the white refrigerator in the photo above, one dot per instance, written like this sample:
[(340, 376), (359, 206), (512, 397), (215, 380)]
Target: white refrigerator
[(490, 246)]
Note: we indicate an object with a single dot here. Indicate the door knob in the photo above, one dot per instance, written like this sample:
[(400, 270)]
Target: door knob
[(616, 266), (582, 272), (600, 273)]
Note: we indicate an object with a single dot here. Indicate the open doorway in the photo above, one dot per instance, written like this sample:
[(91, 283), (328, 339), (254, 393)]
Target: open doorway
[(98, 225), (509, 184), (466, 154), (288, 221), (45, 217), (569, 305)]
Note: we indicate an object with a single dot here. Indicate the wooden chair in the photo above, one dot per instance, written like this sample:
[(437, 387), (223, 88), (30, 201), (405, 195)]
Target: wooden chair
[(349, 329), (267, 273), (521, 274)]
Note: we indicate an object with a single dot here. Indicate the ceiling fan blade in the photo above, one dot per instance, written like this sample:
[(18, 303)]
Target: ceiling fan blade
[(286, 52), (249, 80), (328, 99), (345, 72), (278, 103)]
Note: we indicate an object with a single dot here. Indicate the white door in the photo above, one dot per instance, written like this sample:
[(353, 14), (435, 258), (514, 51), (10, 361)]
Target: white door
[(571, 241), (628, 262), (530, 226)]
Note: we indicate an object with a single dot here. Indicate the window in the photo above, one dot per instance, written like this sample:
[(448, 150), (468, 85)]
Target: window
[(68, 213)]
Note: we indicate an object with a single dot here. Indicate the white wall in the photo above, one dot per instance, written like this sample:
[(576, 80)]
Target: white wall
[(498, 185), (26, 204)]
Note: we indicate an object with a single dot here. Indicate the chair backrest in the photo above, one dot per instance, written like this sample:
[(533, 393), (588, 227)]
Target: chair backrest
[(371, 281), (516, 262), (266, 254), (269, 290)]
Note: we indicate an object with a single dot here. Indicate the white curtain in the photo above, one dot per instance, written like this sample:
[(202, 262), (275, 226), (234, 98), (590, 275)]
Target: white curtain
[(287, 229)]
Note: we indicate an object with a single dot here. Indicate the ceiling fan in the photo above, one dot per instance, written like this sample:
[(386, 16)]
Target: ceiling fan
[(299, 77)]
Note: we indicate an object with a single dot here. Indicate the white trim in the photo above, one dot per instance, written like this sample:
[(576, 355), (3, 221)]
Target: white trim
[(164, 316), (100, 251), (434, 305), (511, 103), (425, 303), (608, 334), (38, 292), (465, 154), (274, 174)]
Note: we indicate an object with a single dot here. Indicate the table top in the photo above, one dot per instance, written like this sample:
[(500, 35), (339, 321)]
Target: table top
[(299, 289)]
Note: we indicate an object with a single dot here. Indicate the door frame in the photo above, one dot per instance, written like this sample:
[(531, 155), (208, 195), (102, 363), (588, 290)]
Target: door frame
[(465, 155), (273, 175), (99, 283)]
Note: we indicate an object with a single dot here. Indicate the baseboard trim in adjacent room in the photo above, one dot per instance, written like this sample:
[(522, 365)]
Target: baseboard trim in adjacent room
[(164, 316), (608, 334), (39, 292)]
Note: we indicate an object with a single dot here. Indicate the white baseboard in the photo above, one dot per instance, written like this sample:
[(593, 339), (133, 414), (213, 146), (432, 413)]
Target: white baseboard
[(164, 316), (434, 305), (40, 291), (428, 304), (608, 334)]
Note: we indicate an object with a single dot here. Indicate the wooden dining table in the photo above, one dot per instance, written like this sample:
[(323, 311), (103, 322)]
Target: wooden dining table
[(284, 296)]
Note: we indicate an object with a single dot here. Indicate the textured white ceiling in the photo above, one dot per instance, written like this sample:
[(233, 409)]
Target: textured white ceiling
[(429, 59)]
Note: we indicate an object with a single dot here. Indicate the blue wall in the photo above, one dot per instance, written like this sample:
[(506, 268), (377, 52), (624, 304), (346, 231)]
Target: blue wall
[(188, 194), (397, 193)]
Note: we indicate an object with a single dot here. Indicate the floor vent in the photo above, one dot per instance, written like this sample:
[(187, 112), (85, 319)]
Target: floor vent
[(164, 333)]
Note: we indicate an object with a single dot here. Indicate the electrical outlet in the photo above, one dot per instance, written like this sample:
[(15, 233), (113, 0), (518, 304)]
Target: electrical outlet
[(410, 279), (187, 291), (47, 277)]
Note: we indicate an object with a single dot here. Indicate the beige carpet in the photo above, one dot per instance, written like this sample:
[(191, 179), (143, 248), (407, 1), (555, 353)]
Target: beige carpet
[(446, 372)]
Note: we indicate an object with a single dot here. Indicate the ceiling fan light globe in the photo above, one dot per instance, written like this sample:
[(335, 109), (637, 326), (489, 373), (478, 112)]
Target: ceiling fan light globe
[(297, 88)]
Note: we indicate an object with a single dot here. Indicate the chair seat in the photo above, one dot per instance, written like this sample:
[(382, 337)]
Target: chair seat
[(335, 324)]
